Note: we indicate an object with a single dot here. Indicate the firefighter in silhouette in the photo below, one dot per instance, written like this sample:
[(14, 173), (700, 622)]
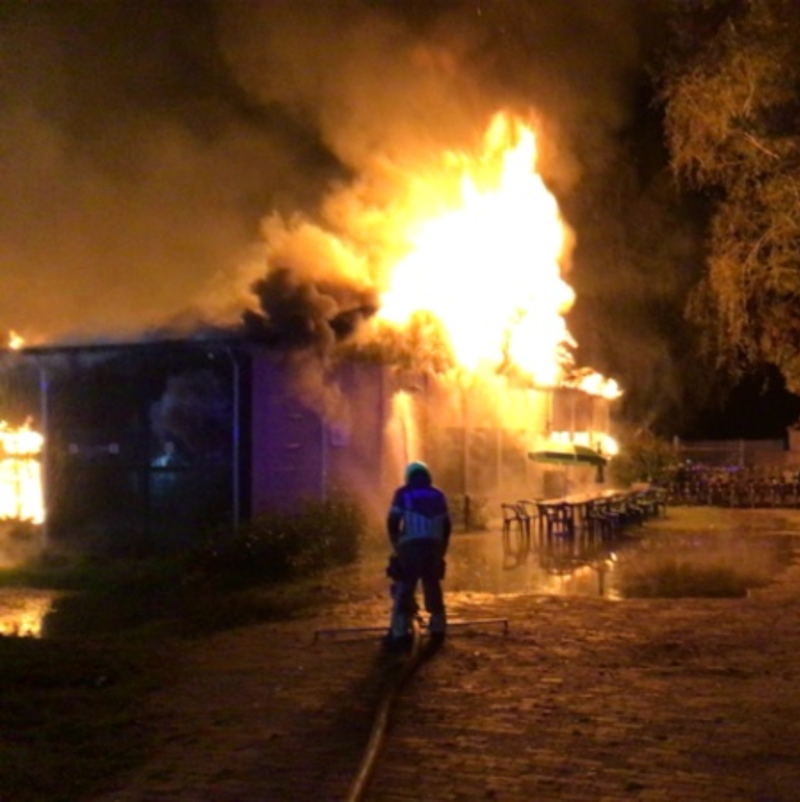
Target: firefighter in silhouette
[(419, 528)]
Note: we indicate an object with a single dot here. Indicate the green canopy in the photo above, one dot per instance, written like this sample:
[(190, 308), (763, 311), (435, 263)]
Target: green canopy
[(567, 454)]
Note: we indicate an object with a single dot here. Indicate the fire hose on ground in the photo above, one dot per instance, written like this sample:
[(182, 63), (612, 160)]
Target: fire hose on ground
[(381, 721), (412, 662)]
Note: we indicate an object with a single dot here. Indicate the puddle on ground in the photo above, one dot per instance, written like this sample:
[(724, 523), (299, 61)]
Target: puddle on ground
[(655, 564), (50, 614), (652, 564), (645, 563), (23, 611), (710, 565)]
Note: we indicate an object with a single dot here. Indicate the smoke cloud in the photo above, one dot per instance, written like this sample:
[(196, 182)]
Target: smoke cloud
[(157, 155), (134, 170)]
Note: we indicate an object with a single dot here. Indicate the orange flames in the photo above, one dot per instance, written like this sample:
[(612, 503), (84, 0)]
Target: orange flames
[(473, 241), (21, 496), (20, 473), (489, 267)]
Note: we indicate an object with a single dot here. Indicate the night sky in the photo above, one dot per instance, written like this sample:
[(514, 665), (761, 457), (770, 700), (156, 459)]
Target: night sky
[(143, 143)]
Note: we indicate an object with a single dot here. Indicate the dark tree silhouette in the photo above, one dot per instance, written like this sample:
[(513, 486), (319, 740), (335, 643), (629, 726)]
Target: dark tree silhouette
[(730, 87)]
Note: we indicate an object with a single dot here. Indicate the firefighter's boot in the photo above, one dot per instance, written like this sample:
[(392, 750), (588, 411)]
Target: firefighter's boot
[(437, 626)]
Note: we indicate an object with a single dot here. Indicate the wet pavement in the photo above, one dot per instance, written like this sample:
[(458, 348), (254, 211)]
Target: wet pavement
[(659, 560), (586, 697)]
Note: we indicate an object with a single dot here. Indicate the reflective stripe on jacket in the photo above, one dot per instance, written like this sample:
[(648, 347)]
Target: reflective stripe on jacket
[(419, 514)]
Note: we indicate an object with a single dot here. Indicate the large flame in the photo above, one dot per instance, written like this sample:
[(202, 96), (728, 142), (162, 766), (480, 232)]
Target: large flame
[(20, 473), (466, 250), (489, 267)]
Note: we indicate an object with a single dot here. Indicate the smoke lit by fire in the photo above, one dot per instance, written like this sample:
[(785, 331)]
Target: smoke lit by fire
[(471, 246)]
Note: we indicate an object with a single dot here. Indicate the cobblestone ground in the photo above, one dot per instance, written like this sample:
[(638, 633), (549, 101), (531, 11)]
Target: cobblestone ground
[(581, 699)]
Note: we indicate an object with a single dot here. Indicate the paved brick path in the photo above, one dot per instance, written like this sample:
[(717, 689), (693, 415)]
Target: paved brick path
[(583, 699)]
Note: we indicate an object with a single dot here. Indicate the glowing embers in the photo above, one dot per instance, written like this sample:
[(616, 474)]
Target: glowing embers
[(21, 496)]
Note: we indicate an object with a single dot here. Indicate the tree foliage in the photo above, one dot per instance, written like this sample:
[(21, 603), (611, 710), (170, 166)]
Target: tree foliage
[(731, 93), (644, 457)]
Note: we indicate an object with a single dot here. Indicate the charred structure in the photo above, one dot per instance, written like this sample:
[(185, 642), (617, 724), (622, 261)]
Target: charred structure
[(148, 446)]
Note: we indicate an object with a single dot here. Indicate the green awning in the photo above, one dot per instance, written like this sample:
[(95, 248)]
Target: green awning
[(567, 454)]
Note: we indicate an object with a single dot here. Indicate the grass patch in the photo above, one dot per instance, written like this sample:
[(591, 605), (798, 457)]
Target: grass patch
[(70, 702), (68, 718), (70, 705), (697, 567), (206, 612), (94, 575), (683, 580), (69, 715)]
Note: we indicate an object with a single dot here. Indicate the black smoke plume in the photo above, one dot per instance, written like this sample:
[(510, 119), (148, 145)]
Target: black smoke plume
[(145, 142)]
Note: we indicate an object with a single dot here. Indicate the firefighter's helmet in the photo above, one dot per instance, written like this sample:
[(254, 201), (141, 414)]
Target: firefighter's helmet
[(416, 467)]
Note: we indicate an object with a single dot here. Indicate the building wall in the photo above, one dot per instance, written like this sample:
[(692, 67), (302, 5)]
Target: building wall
[(309, 445), (476, 438), (372, 420), (138, 442), (358, 461), (286, 440)]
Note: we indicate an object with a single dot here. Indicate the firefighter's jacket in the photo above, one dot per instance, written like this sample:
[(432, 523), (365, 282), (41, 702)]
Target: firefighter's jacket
[(419, 514)]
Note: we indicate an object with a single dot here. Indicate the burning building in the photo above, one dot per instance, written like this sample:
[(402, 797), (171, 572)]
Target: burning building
[(425, 322), (454, 283), (148, 445)]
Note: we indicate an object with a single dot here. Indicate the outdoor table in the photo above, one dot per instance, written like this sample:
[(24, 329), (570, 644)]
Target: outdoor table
[(556, 517), (566, 514)]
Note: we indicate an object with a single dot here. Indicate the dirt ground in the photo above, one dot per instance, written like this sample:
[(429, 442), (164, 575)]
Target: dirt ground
[(582, 698)]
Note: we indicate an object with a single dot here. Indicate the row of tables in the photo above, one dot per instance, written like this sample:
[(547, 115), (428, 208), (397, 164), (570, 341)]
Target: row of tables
[(603, 512)]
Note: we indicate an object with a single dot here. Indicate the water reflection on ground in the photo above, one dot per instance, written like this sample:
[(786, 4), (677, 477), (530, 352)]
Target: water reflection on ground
[(492, 563), (23, 611), (717, 554), (638, 564)]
